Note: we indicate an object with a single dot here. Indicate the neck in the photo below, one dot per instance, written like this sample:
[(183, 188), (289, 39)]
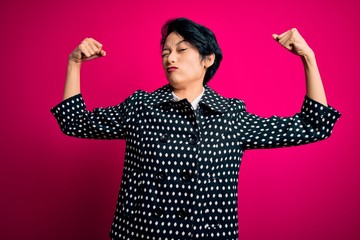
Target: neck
[(190, 92)]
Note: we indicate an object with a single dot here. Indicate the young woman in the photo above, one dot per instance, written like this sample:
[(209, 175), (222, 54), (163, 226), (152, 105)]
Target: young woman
[(184, 142)]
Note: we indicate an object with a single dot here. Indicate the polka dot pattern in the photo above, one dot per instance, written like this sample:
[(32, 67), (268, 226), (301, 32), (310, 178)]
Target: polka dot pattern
[(181, 166)]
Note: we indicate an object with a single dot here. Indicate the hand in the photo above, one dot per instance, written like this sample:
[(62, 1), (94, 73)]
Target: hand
[(294, 42), (88, 49)]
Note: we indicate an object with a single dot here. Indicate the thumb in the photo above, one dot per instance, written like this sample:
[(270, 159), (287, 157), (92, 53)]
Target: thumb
[(275, 36), (102, 53)]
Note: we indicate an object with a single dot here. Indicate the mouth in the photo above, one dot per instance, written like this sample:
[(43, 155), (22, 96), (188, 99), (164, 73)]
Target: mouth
[(171, 69)]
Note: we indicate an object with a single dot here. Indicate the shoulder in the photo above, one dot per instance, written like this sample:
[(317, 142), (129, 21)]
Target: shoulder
[(160, 95), (138, 94), (218, 102), (237, 105)]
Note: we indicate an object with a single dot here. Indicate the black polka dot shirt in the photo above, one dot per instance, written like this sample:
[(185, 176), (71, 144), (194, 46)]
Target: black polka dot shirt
[(181, 166)]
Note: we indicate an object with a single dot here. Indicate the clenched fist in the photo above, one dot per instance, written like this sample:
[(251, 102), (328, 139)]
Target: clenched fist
[(88, 49), (294, 42)]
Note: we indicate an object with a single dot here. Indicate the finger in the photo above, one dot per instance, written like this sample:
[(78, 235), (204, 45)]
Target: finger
[(89, 46), (284, 34), (294, 30), (93, 47), (84, 50), (275, 36), (286, 43), (289, 46), (96, 43), (90, 58), (284, 39), (102, 53)]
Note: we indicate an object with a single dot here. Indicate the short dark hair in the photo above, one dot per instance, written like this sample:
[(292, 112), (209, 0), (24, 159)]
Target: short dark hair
[(200, 36)]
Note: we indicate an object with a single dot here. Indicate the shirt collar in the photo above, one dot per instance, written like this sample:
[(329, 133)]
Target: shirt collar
[(194, 103), (209, 99)]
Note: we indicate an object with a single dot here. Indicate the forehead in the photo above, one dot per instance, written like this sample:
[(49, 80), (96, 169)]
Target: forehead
[(172, 39)]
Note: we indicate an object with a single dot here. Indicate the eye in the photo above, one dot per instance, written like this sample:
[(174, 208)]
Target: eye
[(182, 49), (164, 55)]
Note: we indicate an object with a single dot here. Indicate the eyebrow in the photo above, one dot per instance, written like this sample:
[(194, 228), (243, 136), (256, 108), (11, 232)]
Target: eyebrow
[(175, 44)]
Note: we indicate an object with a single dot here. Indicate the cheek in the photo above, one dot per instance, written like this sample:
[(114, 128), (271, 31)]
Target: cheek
[(194, 63), (163, 63), (197, 67)]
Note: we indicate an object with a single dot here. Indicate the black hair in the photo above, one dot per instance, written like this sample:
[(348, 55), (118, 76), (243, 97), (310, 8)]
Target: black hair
[(200, 36)]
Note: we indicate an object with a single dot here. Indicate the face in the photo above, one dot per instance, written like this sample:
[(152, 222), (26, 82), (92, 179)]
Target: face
[(182, 62)]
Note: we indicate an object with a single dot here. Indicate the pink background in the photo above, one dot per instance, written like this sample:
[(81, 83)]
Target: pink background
[(57, 187)]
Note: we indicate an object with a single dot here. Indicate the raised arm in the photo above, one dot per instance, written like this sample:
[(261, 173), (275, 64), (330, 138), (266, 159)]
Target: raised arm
[(88, 49), (295, 43), (314, 122), (71, 114)]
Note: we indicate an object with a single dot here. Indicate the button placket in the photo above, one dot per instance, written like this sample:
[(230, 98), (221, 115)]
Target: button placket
[(181, 214), (158, 212), (166, 107), (193, 139), (164, 137), (162, 176), (186, 176)]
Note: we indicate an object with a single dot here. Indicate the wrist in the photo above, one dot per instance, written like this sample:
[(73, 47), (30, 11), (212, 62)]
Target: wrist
[(73, 62), (308, 57)]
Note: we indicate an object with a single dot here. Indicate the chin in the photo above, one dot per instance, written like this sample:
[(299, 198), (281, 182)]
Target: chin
[(179, 83), (175, 81)]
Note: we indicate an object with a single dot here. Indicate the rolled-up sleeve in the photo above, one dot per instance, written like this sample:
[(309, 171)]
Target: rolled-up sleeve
[(100, 123), (314, 122)]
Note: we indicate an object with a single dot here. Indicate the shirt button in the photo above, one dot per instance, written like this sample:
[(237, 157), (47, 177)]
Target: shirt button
[(158, 212), (166, 106), (186, 176), (162, 176), (124, 214), (164, 138), (181, 214), (193, 139)]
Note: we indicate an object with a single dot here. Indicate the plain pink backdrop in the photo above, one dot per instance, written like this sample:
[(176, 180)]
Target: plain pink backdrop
[(58, 187)]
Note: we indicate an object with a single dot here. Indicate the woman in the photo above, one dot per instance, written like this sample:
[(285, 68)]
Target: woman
[(184, 142)]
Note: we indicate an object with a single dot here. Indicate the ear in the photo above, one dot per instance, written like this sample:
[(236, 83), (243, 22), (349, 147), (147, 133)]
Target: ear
[(209, 60)]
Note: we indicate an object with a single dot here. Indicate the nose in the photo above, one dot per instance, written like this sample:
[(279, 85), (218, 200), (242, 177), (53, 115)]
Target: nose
[(171, 58)]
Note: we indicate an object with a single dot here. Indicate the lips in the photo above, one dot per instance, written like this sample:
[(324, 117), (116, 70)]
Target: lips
[(171, 69)]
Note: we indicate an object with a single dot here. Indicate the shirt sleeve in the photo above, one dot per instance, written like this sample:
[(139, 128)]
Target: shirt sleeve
[(314, 122), (100, 123)]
